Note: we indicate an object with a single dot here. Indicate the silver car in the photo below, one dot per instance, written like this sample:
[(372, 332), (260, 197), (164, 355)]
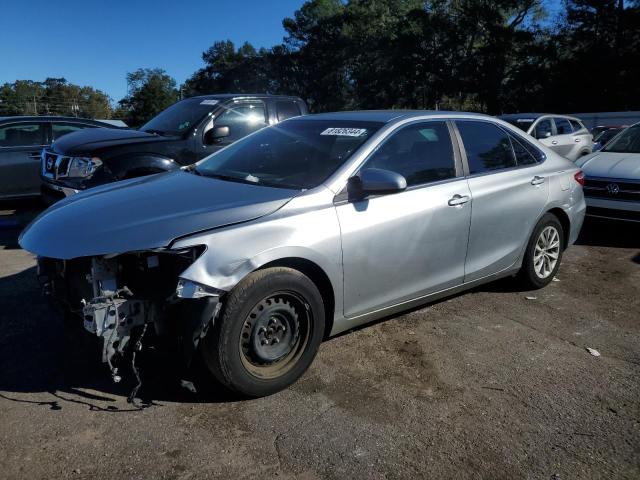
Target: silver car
[(612, 178), (564, 135), (304, 230)]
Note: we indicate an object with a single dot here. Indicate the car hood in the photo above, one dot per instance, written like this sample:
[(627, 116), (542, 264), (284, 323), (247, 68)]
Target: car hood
[(145, 213), (611, 164), (90, 139)]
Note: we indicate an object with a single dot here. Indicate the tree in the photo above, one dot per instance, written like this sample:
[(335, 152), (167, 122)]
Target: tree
[(149, 92), (229, 70), (54, 96)]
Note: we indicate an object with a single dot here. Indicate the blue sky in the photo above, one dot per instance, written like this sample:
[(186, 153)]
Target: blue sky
[(96, 42)]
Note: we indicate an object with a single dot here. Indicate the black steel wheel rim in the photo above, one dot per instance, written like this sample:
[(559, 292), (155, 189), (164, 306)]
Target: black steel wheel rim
[(274, 334)]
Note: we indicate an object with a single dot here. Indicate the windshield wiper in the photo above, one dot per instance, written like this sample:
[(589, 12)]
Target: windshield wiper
[(229, 178), (153, 130)]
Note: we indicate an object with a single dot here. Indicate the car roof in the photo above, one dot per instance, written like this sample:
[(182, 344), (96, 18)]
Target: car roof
[(229, 96), (50, 118), (533, 116), (386, 116)]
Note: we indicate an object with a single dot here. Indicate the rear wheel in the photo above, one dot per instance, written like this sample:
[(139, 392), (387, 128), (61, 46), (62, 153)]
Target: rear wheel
[(268, 334), (544, 253)]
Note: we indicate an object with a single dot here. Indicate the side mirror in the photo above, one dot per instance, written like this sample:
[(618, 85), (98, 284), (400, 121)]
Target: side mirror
[(215, 134), (375, 181)]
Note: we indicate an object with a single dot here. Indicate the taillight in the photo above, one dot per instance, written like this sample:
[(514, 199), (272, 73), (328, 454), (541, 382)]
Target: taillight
[(579, 177)]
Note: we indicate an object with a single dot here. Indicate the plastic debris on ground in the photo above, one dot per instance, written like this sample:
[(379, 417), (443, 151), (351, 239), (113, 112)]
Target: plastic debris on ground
[(593, 352)]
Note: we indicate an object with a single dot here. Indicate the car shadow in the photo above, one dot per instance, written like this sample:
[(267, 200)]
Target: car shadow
[(14, 216), (600, 232), (42, 353)]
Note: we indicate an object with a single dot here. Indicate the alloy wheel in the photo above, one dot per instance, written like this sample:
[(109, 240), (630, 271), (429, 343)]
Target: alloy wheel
[(547, 252)]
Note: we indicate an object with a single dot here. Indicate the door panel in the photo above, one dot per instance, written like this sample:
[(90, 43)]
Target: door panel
[(562, 142), (402, 246), (507, 199), (506, 206), (20, 148)]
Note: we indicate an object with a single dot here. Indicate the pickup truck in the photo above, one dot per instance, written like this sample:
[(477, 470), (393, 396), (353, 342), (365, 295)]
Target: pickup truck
[(184, 133)]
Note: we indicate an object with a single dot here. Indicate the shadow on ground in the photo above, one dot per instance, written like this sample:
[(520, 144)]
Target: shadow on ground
[(40, 352), (14, 216), (599, 232)]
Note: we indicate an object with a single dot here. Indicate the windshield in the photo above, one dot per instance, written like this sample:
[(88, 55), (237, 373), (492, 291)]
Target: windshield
[(521, 123), (297, 154), (627, 142), (179, 117)]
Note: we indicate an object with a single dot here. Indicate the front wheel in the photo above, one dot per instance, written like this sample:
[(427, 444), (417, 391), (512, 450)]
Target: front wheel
[(544, 253), (268, 334)]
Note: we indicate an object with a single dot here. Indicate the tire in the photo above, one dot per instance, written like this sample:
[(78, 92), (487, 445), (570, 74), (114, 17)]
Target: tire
[(532, 274), (268, 334)]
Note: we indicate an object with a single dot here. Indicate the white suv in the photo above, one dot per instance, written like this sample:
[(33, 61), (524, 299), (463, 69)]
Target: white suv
[(564, 135)]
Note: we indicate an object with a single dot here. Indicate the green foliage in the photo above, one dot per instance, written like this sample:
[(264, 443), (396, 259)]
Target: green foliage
[(492, 56), (150, 92), (54, 96)]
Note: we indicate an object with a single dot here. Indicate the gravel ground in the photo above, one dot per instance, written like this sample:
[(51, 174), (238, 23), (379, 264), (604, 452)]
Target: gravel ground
[(487, 384)]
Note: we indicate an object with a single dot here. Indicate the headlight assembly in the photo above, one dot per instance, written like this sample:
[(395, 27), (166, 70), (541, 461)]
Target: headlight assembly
[(83, 166)]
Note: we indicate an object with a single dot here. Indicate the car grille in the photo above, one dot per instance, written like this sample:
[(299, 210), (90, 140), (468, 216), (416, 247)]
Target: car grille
[(53, 165), (612, 189)]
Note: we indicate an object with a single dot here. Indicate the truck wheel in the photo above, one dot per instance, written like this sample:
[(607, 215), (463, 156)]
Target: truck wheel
[(544, 253), (268, 334)]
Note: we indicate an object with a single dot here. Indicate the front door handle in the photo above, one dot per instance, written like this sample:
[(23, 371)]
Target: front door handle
[(554, 142), (35, 155), (577, 140), (537, 180), (458, 200)]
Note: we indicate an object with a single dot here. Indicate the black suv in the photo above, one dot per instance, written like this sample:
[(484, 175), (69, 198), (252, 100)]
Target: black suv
[(21, 142), (184, 133)]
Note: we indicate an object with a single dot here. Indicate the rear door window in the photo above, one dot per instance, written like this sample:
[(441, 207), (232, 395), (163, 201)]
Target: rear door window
[(287, 109), (22, 135), (563, 127), (61, 129), (487, 146), (577, 126)]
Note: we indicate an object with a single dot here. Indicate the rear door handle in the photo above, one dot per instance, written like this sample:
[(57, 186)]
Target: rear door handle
[(35, 155), (457, 200), (577, 140), (537, 180), (554, 142)]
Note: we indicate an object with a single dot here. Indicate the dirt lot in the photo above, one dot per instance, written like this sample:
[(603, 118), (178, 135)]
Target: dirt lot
[(488, 384)]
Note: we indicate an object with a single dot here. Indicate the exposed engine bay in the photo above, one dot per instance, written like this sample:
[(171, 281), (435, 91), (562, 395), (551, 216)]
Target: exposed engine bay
[(122, 298)]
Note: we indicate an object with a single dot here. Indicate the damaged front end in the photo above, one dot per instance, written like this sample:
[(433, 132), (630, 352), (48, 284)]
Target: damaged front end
[(122, 298)]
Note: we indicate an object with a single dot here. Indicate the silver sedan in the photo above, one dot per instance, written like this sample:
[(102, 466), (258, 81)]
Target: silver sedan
[(304, 230)]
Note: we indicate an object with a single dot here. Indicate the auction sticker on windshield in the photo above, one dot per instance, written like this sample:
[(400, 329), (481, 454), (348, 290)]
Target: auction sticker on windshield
[(345, 132)]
